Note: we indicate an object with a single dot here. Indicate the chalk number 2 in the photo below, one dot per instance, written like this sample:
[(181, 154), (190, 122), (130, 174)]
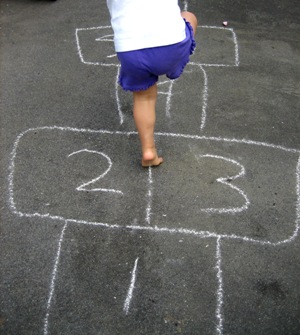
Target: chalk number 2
[(85, 186)]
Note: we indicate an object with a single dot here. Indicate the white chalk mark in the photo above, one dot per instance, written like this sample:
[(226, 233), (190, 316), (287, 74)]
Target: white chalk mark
[(228, 140), (109, 38), (163, 82), (131, 288), (78, 46), (200, 234), (121, 115), (220, 291), (53, 279), (168, 94), (227, 181), (298, 193), (149, 197), (101, 39), (105, 38), (236, 47), (204, 99), (185, 5), (83, 187)]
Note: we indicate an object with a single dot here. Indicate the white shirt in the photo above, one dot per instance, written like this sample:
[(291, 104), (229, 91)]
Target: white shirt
[(140, 24)]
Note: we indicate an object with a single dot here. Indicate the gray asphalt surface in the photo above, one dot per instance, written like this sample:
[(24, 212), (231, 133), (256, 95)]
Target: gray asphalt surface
[(208, 243)]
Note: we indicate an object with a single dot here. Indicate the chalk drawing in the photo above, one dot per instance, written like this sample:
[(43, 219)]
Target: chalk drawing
[(83, 187), (204, 99), (219, 312), (150, 194), (185, 5), (168, 94), (53, 279), (131, 288), (81, 36), (227, 181), (117, 88), (86, 36), (182, 231)]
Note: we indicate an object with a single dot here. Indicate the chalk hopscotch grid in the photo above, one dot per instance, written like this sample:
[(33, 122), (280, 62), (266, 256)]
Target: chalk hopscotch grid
[(108, 38), (103, 39), (219, 237), (201, 234), (219, 314)]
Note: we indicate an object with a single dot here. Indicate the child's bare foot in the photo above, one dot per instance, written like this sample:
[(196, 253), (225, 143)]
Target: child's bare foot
[(150, 158)]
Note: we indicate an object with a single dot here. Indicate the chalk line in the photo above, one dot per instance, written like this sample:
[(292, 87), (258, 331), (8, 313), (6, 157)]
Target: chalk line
[(131, 288), (121, 115), (53, 279), (185, 5), (106, 39), (168, 102), (220, 292), (298, 192), (149, 196), (168, 94), (128, 133), (204, 99)]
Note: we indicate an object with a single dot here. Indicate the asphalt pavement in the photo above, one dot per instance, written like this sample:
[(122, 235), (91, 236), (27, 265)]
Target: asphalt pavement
[(207, 243)]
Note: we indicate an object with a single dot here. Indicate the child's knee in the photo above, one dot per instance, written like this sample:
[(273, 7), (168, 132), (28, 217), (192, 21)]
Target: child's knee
[(192, 19)]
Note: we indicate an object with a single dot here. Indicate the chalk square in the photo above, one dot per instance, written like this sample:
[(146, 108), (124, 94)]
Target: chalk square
[(174, 113), (173, 289), (234, 189), (79, 176), (210, 187), (216, 46), (96, 47)]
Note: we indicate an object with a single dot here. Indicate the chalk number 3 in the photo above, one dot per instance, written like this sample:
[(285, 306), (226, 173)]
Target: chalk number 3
[(227, 181)]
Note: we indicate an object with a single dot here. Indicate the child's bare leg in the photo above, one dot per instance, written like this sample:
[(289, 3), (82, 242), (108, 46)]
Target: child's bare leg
[(144, 117), (191, 18)]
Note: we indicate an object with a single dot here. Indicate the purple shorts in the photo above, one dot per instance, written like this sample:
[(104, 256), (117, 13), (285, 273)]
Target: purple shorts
[(140, 69)]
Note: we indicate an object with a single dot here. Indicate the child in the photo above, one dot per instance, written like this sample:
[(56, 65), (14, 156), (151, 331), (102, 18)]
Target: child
[(151, 38)]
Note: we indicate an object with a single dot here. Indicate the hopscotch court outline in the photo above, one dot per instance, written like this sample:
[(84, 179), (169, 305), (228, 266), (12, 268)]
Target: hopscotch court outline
[(108, 38), (201, 234), (149, 192)]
